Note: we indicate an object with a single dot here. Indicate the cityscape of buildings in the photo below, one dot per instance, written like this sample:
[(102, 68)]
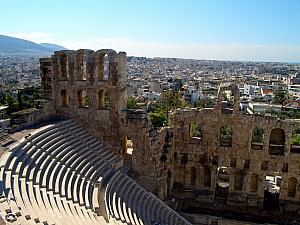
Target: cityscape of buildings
[(196, 80)]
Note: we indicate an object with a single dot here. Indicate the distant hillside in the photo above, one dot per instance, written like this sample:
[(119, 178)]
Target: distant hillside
[(53, 47), (16, 46)]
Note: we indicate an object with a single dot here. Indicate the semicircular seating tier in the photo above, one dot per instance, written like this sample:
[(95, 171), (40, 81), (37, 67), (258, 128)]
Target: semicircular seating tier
[(129, 203), (63, 175)]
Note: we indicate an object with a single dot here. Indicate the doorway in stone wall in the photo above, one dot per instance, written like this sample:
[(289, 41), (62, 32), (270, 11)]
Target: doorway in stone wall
[(128, 152), (222, 184), (272, 191)]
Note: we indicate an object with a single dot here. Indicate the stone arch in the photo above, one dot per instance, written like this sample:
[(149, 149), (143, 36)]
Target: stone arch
[(238, 180), (193, 175), (63, 66), (235, 92), (276, 141), (101, 103), (90, 65), (207, 176), (292, 185), (105, 65), (64, 98), (195, 130), (222, 184), (272, 187), (226, 135), (257, 141), (81, 64), (103, 99), (254, 183), (82, 99)]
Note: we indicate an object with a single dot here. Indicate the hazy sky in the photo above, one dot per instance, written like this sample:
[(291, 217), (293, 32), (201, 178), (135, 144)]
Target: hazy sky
[(260, 30)]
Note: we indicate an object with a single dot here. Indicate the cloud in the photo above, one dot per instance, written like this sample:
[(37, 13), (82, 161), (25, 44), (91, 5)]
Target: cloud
[(225, 51)]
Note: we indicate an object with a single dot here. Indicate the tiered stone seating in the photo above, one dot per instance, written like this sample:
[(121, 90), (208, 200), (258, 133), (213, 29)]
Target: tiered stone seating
[(54, 176), (62, 175), (128, 203)]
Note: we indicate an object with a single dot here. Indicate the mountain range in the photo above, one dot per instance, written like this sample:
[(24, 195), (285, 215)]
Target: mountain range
[(17, 46)]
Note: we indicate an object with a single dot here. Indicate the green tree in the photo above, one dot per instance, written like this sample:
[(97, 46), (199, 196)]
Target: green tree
[(204, 103), (2, 98), (280, 98), (12, 104), (20, 100)]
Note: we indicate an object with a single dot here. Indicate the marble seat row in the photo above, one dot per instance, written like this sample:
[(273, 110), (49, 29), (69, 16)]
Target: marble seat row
[(54, 176), (129, 203)]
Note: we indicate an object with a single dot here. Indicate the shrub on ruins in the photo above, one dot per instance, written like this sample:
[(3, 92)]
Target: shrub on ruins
[(132, 103), (295, 139), (205, 103), (169, 100), (158, 119)]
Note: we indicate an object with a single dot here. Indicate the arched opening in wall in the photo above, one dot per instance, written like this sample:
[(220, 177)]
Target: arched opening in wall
[(254, 183), (106, 67), (80, 64), (292, 185), (169, 180), (272, 191), (207, 176), (226, 136), (276, 144), (129, 146), (84, 70), (106, 100), (193, 176), (227, 102), (222, 186), (63, 61), (257, 142), (64, 98), (238, 180), (295, 143), (101, 95), (82, 99), (195, 131), (128, 151)]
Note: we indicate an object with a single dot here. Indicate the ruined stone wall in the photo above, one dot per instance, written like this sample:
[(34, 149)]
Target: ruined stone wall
[(79, 86), (150, 149), (171, 161), (79, 89), (195, 161)]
